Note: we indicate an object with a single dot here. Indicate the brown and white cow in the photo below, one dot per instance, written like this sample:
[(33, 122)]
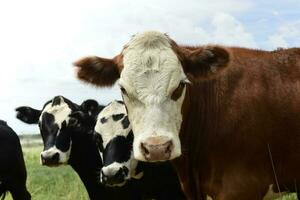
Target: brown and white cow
[(235, 110)]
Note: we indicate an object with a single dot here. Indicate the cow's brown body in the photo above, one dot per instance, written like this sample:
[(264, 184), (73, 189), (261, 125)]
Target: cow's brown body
[(241, 130)]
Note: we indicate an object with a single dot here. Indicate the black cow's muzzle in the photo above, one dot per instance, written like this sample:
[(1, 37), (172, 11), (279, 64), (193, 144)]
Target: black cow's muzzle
[(50, 160), (118, 179)]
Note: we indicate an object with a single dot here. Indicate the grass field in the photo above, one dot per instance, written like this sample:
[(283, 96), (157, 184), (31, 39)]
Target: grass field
[(45, 183), (60, 183)]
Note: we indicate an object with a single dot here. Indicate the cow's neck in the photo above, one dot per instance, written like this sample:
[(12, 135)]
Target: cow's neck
[(200, 121), (200, 113), (85, 160)]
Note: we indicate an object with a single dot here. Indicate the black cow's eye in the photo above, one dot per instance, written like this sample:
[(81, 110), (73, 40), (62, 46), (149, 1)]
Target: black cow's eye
[(124, 91)]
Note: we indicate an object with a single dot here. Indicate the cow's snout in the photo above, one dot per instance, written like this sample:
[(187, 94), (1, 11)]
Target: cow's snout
[(117, 179), (50, 159), (157, 148)]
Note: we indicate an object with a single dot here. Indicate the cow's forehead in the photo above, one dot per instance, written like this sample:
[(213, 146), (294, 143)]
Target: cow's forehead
[(111, 122), (60, 112), (115, 107), (150, 66), (148, 39)]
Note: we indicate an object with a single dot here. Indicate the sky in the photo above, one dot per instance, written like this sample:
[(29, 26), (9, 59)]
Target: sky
[(39, 40)]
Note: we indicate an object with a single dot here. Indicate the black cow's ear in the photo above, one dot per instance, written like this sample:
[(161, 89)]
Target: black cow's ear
[(89, 106), (28, 115)]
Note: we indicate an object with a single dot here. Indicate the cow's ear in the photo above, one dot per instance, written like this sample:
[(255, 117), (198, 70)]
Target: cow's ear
[(205, 62), (89, 106), (98, 71), (28, 115)]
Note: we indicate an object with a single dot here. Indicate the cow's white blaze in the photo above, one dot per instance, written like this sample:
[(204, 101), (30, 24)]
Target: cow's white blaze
[(60, 112), (152, 71), (111, 129)]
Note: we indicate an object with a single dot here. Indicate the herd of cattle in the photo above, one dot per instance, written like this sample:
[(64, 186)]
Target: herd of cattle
[(95, 140), (202, 122)]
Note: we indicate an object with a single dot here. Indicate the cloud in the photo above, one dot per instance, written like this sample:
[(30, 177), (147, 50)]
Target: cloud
[(230, 31), (277, 41), (287, 35)]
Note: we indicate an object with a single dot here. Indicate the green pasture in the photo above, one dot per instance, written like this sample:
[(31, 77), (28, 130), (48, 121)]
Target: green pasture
[(45, 183)]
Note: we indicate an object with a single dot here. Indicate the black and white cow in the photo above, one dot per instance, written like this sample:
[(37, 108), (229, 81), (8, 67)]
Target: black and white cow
[(152, 180), (68, 142), (12, 167)]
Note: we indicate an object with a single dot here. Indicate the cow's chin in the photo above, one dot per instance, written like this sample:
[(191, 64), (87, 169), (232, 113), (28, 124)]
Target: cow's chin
[(171, 149), (116, 185), (55, 165)]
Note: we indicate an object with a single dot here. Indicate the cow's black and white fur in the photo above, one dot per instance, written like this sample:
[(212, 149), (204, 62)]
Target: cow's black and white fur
[(68, 141), (55, 127), (152, 180), (12, 168), (73, 133)]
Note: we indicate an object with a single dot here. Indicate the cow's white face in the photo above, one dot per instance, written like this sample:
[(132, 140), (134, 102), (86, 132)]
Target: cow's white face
[(151, 71), (57, 140), (151, 74)]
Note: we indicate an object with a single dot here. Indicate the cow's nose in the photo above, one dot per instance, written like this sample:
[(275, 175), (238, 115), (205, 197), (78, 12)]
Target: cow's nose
[(116, 179), (157, 148), (50, 160)]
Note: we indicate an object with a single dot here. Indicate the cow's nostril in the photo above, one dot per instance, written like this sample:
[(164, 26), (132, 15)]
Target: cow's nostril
[(50, 160), (55, 157), (157, 148), (169, 147), (144, 149)]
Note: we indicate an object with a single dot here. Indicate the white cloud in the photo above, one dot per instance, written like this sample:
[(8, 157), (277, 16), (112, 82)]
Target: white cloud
[(277, 41), (288, 34), (229, 31)]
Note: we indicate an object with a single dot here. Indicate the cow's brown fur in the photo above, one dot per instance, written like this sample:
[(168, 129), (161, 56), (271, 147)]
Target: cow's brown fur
[(241, 120), (239, 124)]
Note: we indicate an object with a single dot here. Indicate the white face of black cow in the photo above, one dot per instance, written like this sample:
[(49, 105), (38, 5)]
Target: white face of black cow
[(117, 137), (152, 73), (56, 137)]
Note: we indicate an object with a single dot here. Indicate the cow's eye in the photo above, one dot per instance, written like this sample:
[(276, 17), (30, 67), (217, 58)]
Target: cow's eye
[(124, 91), (178, 91)]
